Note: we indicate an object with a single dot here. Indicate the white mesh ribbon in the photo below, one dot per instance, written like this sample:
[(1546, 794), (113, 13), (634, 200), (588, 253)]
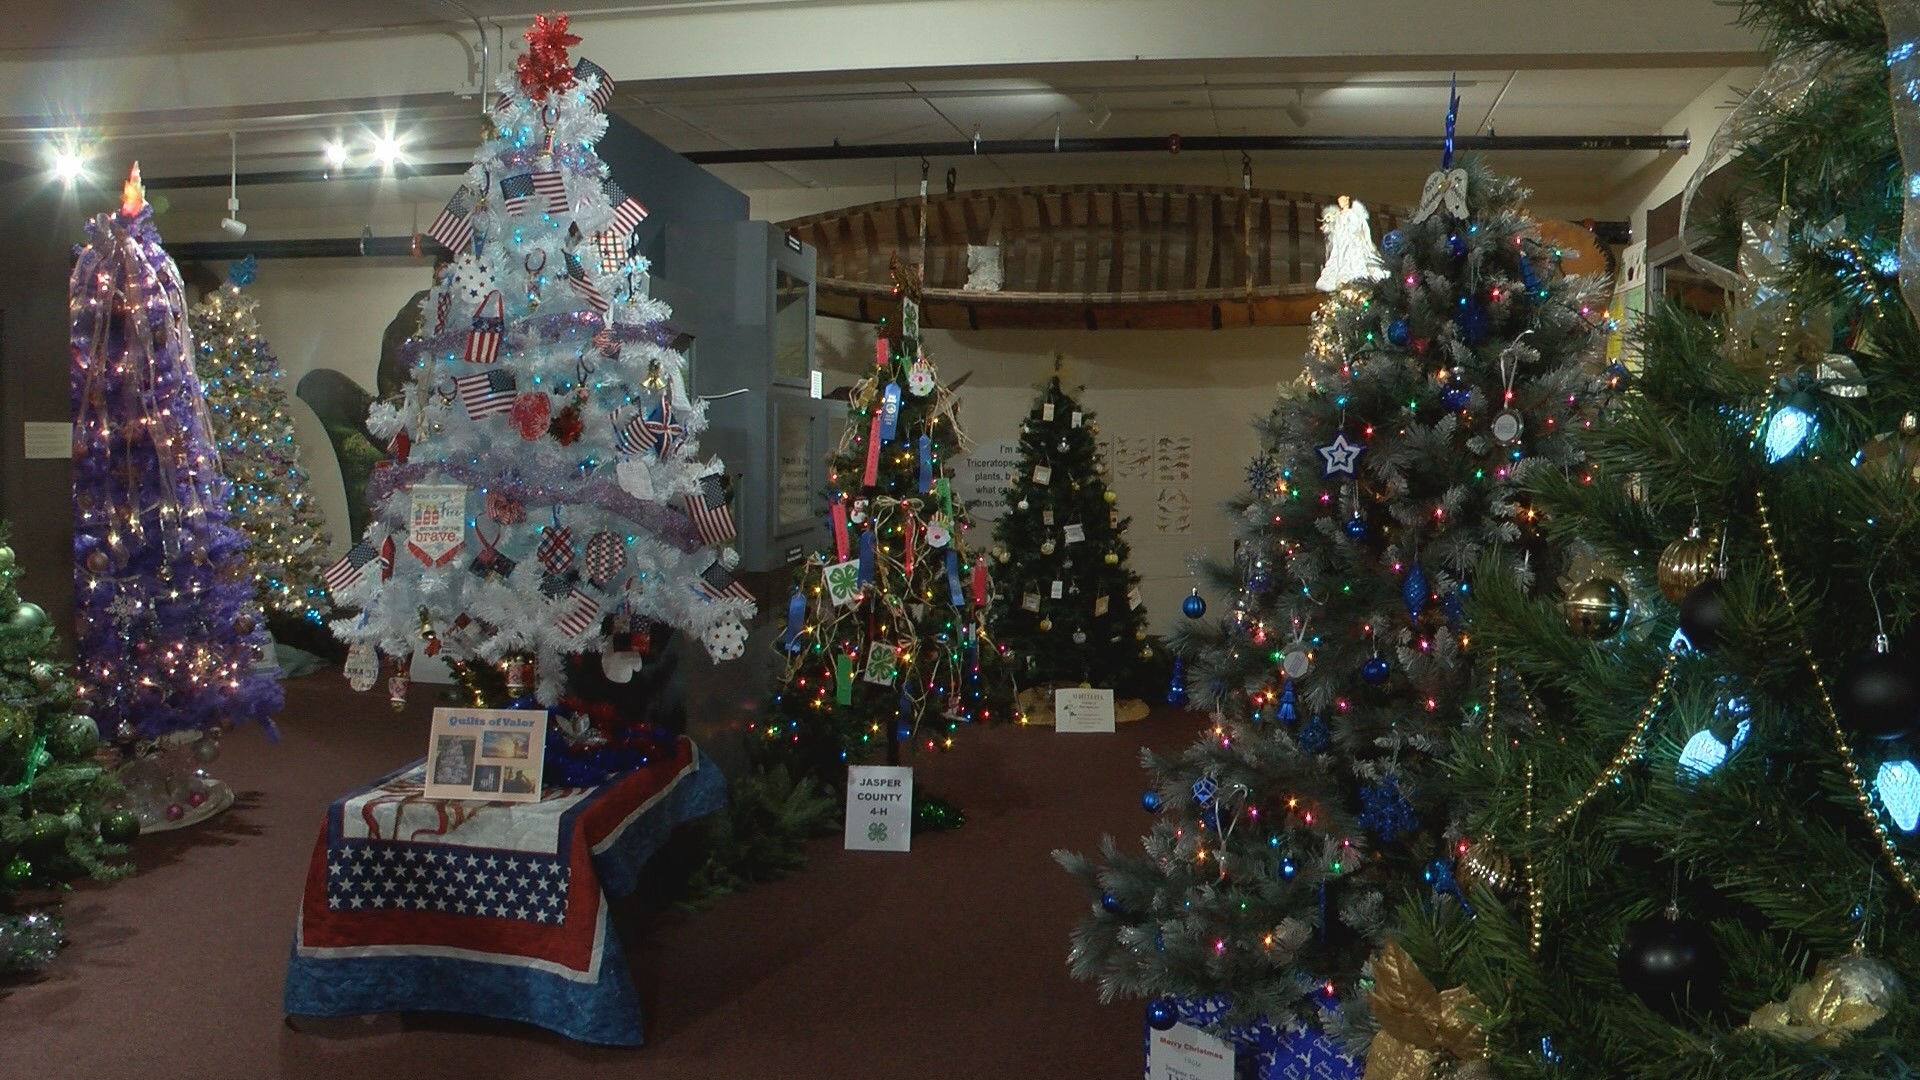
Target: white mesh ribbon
[(1902, 19), (1781, 88)]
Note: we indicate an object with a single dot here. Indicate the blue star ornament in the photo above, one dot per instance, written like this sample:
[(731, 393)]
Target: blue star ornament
[(1341, 457)]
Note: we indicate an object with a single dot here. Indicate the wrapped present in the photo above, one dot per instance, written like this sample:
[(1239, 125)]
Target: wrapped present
[(1293, 1050)]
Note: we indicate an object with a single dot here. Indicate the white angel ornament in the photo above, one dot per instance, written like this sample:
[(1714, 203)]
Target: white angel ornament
[(1351, 255)]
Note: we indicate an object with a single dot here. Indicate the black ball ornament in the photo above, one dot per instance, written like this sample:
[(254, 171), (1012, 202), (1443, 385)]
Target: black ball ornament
[(1877, 695), (45, 833), (1671, 964), (1702, 615)]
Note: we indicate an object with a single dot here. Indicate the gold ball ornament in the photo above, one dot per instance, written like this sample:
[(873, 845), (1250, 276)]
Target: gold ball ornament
[(1146, 652), (98, 562), (1685, 564), (1046, 624), (1111, 558), (1140, 634), (1596, 608), (1110, 497), (1486, 864), (1046, 547)]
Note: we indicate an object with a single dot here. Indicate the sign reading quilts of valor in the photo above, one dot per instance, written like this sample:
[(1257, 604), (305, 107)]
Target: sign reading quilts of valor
[(546, 496)]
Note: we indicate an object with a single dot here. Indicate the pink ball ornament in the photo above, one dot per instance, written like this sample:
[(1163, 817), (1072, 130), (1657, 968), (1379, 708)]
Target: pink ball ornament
[(195, 798), (175, 811)]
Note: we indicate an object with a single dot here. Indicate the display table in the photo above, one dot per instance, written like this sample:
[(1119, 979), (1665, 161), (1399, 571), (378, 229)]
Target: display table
[(498, 909)]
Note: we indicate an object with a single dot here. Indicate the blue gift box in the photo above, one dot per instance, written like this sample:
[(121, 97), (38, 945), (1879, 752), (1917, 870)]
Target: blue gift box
[(1294, 1050)]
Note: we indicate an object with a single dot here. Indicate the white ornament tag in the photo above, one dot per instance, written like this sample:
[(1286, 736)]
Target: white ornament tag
[(1074, 420), (1099, 605), (1030, 601), (1056, 591), (1075, 533), (1043, 474), (363, 666), (1507, 427), (1046, 410)]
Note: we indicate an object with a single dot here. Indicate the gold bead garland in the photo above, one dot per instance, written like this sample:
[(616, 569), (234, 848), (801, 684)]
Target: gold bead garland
[(1629, 752), (1861, 795), (1535, 902)]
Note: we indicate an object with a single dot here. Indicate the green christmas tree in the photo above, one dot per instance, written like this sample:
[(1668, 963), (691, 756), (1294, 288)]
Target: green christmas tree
[(1070, 605), (887, 629), (1386, 486), (1708, 843), (58, 814), (267, 489)]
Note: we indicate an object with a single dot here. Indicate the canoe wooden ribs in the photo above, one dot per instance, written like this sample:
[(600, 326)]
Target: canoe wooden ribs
[(1088, 257)]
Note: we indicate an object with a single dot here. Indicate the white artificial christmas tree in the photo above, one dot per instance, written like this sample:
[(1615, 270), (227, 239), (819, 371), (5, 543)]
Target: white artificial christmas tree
[(545, 495)]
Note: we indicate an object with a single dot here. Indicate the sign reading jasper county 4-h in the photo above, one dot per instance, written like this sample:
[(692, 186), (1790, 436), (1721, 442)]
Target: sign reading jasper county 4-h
[(843, 582), (879, 808)]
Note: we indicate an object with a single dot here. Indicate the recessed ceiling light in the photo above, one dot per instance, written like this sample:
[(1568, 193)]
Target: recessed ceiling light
[(334, 153), (386, 150), (67, 162)]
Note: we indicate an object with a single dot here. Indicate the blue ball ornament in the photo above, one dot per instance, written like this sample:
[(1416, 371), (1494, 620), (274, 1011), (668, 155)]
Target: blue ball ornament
[(1456, 395), (1399, 332), (1356, 527), (1194, 605), (1161, 1015), (1394, 242), (1150, 801), (1456, 245), (1110, 903), (1375, 670)]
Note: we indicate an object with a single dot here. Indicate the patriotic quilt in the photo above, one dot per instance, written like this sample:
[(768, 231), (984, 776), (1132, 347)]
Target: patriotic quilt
[(498, 909)]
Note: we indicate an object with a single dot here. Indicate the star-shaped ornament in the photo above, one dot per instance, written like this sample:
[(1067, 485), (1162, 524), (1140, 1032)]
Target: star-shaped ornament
[(1340, 457)]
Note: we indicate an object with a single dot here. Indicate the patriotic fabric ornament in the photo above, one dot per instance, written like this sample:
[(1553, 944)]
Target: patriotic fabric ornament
[(556, 548), (489, 327), (603, 558), (532, 413)]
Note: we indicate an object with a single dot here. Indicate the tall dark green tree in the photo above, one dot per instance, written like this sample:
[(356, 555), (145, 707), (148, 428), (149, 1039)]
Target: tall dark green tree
[(1069, 608), (1286, 834), (1711, 833)]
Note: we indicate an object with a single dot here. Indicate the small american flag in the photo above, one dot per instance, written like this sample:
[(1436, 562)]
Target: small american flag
[(547, 185), (627, 211), (719, 583), (453, 229), (577, 614), (348, 570), (712, 518), (654, 431), (607, 342), (600, 94), (577, 277), (488, 393)]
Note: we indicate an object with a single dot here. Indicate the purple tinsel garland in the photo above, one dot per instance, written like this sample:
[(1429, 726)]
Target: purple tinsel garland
[(664, 523), (157, 566), (520, 333)]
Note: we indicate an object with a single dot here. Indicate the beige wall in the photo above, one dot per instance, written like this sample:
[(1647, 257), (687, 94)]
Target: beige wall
[(1207, 385)]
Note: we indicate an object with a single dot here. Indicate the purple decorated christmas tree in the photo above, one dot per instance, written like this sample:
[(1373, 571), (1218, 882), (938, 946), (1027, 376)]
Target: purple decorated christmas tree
[(166, 625)]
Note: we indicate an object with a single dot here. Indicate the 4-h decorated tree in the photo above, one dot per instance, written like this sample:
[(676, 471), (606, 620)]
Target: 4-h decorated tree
[(886, 631), (1711, 837), (168, 632), (266, 487), (1388, 483), (59, 818), (1070, 605), (545, 499)]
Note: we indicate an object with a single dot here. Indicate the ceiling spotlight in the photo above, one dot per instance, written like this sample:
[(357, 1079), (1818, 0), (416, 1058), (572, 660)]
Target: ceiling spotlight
[(334, 154), (1297, 112), (67, 163), (231, 224), (386, 151), (1098, 116)]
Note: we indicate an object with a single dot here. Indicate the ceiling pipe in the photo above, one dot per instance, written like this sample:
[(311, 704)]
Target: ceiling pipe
[(332, 247), (1175, 144), (308, 176)]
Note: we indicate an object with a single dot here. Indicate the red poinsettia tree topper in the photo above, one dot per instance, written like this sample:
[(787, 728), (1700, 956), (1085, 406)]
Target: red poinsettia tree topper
[(544, 67)]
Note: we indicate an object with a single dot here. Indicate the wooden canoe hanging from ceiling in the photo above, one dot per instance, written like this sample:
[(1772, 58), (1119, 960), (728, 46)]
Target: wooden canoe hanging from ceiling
[(1096, 257)]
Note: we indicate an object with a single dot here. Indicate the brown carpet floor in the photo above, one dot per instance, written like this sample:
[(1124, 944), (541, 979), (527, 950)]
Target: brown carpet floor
[(948, 962)]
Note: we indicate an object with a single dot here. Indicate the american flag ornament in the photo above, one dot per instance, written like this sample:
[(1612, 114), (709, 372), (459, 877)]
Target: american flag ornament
[(577, 277), (612, 250), (655, 431), (707, 507), (348, 569), (718, 582), (488, 393), (603, 558), (546, 188), (555, 586), (578, 613), (628, 212), (607, 342), (602, 91), (453, 229), (489, 326)]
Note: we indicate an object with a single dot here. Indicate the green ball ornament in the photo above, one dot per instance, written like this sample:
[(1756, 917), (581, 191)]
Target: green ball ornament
[(18, 874), (45, 833), (1110, 497), (120, 826), (76, 737), (29, 617), (44, 675), (6, 558)]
